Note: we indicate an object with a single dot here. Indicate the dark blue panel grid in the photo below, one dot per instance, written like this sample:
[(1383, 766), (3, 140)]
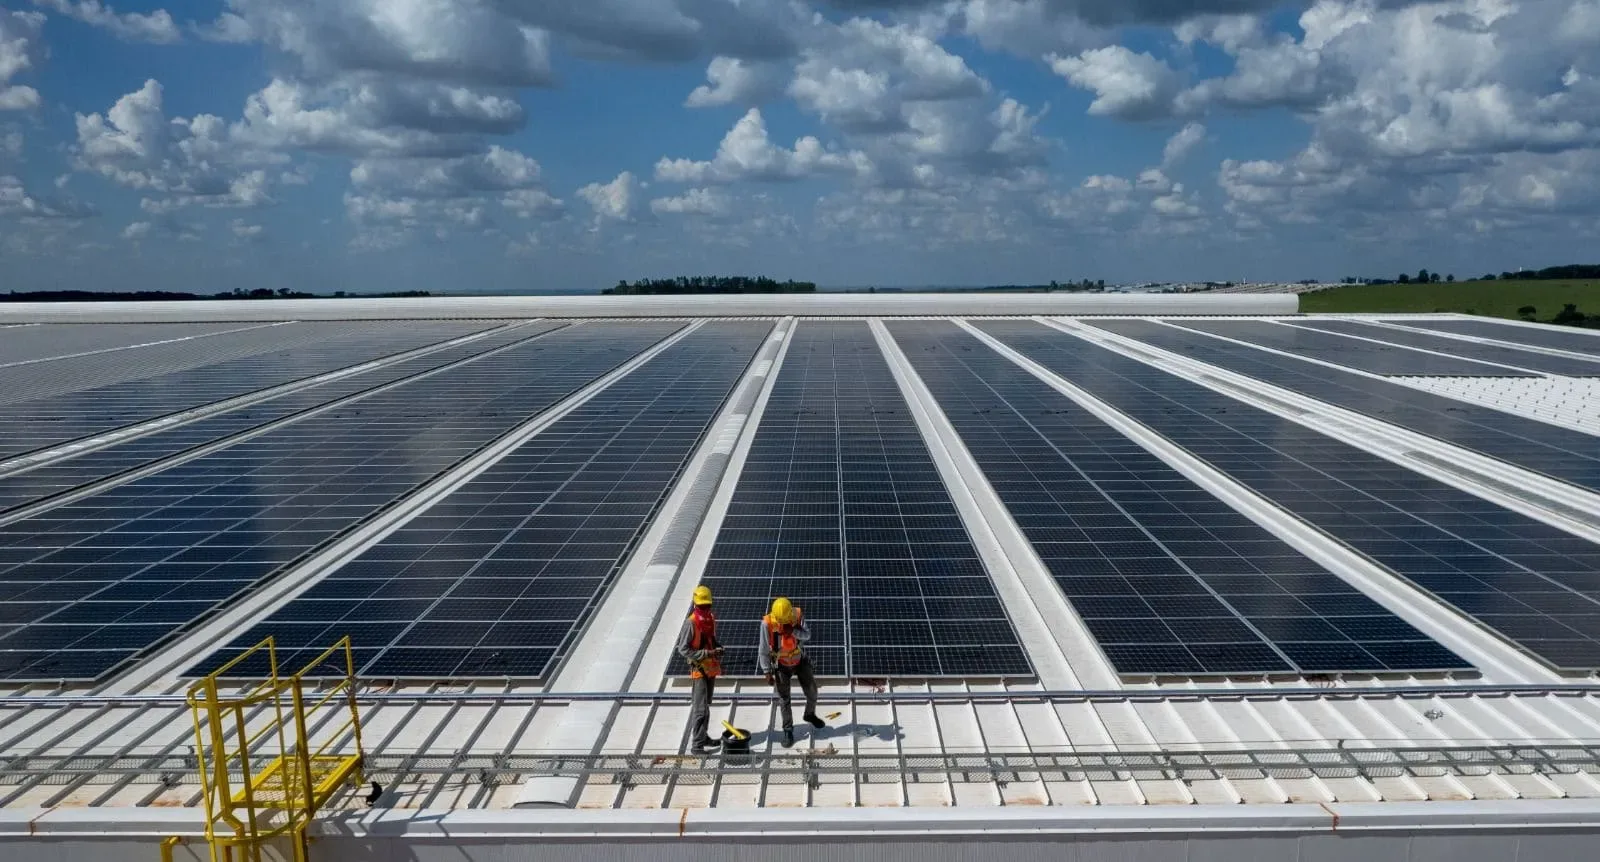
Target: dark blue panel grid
[(63, 475), (840, 508), (1168, 578), (499, 578), (1457, 347), (42, 422), (100, 579), (1350, 352), (1557, 337), (1560, 453), (1537, 586)]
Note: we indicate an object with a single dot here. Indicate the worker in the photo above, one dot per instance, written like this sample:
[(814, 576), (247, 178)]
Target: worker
[(697, 643), (781, 659)]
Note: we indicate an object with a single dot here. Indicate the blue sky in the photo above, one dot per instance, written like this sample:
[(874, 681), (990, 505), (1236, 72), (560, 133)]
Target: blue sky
[(494, 145)]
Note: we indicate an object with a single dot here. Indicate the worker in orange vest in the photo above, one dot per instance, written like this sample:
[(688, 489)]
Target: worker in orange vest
[(699, 647), (781, 658)]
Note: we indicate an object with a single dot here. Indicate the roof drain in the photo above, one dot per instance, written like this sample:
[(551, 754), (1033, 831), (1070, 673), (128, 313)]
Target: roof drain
[(583, 726)]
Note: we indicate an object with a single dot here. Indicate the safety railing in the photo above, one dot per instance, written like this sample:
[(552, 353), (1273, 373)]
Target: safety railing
[(269, 755)]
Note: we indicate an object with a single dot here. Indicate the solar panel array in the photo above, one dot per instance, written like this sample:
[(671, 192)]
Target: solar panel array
[(1351, 352), (1560, 453), (33, 343), (59, 476), (1556, 337), (40, 422), (1167, 578), (1537, 586), (89, 584), (840, 508), (500, 577), (1465, 349)]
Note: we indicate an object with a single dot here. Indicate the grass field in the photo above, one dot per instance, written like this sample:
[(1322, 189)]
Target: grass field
[(1492, 298)]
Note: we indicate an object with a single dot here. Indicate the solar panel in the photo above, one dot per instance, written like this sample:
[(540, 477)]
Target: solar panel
[(1466, 349), (499, 578), (1557, 337), (30, 423), (33, 343), (85, 578), (1166, 577), (1538, 586), (1350, 352), (1571, 456), (59, 476), (840, 508)]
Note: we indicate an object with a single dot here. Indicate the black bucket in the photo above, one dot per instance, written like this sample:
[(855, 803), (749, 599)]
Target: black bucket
[(736, 747)]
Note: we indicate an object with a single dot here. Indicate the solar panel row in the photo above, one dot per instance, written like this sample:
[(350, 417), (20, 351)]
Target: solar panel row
[(31, 343), (1537, 586), (840, 508), (1467, 349), (63, 475), (1350, 352), (40, 422), (91, 583), (1560, 453), (1559, 338), (500, 577), (1167, 578)]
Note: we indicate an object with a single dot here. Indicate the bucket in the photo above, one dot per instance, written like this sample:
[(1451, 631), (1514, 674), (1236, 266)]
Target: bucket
[(736, 747)]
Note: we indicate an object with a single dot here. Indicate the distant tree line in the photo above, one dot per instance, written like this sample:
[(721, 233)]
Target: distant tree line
[(169, 296), (1576, 270), (708, 284)]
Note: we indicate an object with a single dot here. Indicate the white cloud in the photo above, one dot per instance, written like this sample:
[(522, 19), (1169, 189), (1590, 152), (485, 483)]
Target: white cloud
[(497, 170), (136, 231), (865, 76), (533, 203), (1028, 28), (11, 145), (228, 28), (733, 81), (617, 200), (702, 202), (1127, 85), (154, 26), (746, 153), (17, 202), (244, 230), (21, 48), (1180, 145)]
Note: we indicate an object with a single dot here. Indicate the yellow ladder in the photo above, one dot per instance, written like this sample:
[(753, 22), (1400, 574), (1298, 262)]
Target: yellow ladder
[(272, 753)]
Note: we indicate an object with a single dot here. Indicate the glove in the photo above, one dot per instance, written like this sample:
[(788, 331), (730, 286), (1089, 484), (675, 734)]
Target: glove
[(698, 655), (772, 678)]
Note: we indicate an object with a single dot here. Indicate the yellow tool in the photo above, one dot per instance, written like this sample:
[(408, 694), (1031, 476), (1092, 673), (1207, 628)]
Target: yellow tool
[(737, 733), (832, 715)]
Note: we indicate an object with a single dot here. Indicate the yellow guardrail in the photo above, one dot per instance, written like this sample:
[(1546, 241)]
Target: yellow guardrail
[(272, 754)]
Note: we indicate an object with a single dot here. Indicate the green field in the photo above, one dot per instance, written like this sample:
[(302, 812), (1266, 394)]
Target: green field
[(1492, 298)]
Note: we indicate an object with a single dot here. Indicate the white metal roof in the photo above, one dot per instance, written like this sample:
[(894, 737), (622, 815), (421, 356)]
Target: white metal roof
[(606, 731)]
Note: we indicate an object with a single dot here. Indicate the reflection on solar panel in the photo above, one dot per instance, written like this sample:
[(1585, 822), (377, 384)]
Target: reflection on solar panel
[(840, 508), (39, 422), (1169, 579), (499, 578), (1557, 337), (1468, 349), (46, 341), (65, 474), (1532, 583), (1351, 352), (1571, 456), (95, 581)]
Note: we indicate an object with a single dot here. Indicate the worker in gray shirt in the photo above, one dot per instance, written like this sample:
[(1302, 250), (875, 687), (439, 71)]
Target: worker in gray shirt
[(698, 645), (781, 658)]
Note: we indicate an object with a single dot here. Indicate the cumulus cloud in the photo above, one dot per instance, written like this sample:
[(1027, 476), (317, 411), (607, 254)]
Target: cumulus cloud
[(244, 230), (615, 201), (156, 26), (700, 202), (1180, 145), (136, 231), (732, 81), (20, 50), (11, 145), (1127, 85), (866, 76), (16, 201), (747, 153), (1028, 28)]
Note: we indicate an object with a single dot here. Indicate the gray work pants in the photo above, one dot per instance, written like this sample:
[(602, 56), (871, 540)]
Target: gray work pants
[(808, 684), (700, 709)]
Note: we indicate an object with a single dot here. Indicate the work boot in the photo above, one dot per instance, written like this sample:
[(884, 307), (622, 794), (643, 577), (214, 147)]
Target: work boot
[(788, 737), (815, 721), (703, 746)]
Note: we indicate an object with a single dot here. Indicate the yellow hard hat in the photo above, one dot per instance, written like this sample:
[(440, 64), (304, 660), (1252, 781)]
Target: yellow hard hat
[(702, 595), (782, 610)]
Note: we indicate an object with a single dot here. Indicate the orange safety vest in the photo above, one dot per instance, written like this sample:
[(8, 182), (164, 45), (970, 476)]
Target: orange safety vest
[(781, 642), (704, 637)]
